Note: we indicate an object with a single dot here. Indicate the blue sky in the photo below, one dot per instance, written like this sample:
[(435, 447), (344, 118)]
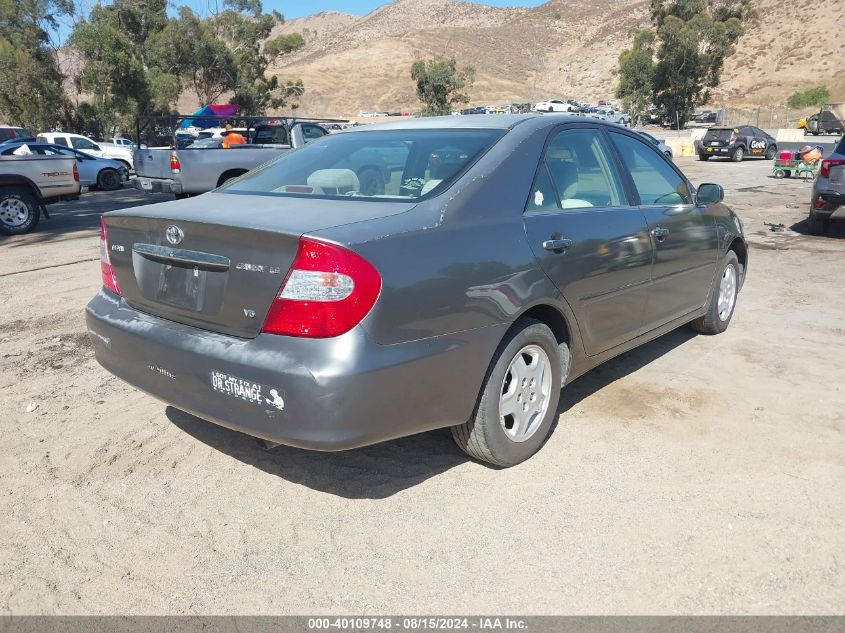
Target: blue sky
[(297, 8)]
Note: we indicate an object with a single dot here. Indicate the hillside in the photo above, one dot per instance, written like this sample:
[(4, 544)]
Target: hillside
[(565, 48)]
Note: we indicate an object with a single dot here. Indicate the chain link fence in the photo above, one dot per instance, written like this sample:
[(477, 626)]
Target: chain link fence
[(767, 117)]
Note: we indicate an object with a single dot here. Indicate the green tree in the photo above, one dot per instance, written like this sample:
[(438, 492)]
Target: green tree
[(692, 39), (31, 91), (809, 98), (636, 76), (441, 84)]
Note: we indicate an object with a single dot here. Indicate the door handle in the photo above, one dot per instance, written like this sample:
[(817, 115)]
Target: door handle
[(659, 233), (557, 245)]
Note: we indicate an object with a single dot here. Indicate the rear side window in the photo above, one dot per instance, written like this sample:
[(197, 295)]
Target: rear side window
[(59, 140), (655, 180), (581, 170), (543, 197), (312, 132)]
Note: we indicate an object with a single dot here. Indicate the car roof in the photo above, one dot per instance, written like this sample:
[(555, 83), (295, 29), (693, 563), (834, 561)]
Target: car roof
[(467, 121)]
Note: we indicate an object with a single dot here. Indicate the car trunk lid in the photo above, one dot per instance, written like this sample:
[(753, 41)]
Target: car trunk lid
[(217, 261), (152, 162)]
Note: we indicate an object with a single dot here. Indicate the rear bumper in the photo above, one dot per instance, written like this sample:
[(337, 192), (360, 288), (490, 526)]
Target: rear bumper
[(337, 393), (833, 201), (156, 185)]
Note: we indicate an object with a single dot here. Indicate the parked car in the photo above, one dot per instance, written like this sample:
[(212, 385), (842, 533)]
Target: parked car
[(11, 134), (122, 142), (204, 164), (826, 121), (554, 105), (828, 191), (707, 117), (28, 183), (85, 144), (736, 143), (664, 149), (612, 116), (102, 173), (508, 256)]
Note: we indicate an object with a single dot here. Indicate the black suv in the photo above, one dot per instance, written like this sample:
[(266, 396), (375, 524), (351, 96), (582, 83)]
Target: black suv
[(736, 143)]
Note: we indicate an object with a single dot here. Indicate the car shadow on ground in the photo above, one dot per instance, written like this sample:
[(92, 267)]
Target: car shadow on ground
[(836, 230), (382, 470)]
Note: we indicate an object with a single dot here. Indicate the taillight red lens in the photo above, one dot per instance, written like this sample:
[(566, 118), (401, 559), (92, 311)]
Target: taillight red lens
[(327, 291), (175, 166), (109, 279), (827, 164), (75, 172)]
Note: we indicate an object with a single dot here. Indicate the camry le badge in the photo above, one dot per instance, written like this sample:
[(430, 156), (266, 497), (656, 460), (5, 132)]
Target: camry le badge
[(174, 234)]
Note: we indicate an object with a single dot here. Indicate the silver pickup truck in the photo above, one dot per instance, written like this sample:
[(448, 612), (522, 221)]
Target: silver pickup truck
[(194, 170), (28, 183)]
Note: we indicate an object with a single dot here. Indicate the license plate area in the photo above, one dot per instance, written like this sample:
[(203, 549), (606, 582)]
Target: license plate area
[(182, 287)]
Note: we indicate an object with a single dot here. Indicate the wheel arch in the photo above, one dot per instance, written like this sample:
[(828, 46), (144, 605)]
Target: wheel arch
[(739, 247), (557, 322), (230, 173), (14, 180)]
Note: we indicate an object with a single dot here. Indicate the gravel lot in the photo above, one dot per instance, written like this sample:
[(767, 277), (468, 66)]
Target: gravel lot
[(693, 475)]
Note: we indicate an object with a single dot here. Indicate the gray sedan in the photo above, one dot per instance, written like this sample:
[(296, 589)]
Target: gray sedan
[(501, 259)]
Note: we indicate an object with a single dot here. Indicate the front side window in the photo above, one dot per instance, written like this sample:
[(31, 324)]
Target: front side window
[(400, 165), (81, 143), (655, 180), (581, 169)]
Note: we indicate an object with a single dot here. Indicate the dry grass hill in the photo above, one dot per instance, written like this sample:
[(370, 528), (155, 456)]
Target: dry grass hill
[(563, 48)]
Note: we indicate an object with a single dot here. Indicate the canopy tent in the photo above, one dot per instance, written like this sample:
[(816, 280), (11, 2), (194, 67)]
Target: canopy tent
[(228, 109)]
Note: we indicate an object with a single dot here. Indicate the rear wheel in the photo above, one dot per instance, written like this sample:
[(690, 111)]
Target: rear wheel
[(519, 397), (19, 211), (722, 302), (779, 173), (817, 225), (738, 155), (108, 180)]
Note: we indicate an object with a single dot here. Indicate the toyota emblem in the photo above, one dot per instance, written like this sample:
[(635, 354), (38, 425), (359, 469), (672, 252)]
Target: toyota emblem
[(174, 234)]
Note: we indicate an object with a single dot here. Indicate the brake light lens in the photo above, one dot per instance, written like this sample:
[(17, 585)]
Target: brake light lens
[(175, 165), (827, 164), (109, 279), (327, 291), (75, 172)]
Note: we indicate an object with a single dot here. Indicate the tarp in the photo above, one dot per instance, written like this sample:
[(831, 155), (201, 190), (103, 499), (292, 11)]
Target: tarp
[(227, 109)]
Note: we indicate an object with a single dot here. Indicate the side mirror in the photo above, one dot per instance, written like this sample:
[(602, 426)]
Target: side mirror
[(96, 148), (709, 193)]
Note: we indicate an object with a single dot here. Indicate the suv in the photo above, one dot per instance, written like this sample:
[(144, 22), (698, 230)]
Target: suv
[(737, 143), (828, 190)]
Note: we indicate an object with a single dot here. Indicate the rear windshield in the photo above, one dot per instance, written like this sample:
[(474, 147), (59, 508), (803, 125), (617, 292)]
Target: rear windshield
[(400, 165), (720, 134)]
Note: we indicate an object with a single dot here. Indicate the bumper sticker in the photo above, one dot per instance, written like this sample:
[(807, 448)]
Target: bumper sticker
[(236, 387)]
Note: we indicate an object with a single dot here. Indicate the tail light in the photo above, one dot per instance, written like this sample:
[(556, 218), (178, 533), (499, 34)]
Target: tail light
[(75, 172), (820, 203), (828, 163), (327, 292), (109, 279), (175, 165)]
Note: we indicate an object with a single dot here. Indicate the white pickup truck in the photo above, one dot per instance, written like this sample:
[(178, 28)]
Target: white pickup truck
[(28, 183), (85, 144), (205, 165)]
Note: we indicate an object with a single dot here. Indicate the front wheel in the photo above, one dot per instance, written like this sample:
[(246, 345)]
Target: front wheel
[(518, 400), (703, 157), (108, 180), (19, 211), (738, 155), (720, 308), (770, 153)]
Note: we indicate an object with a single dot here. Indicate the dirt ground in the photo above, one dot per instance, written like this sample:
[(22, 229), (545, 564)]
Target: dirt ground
[(693, 475)]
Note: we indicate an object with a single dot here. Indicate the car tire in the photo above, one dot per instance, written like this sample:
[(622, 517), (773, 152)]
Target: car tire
[(551, 109), (738, 155), (704, 157), (19, 211), (720, 307), (817, 225), (771, 152), (108, 180), (509, 439), (779, 173)]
